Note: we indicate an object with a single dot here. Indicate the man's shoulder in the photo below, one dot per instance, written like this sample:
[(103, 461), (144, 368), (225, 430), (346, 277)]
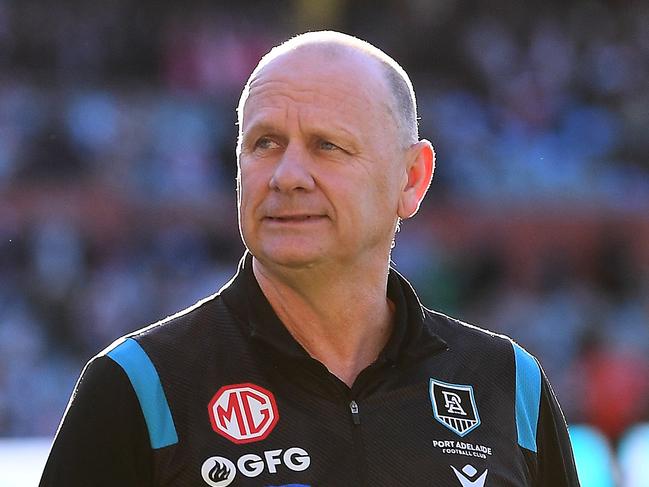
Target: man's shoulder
[(184, 333), (477, 352), (467, 337)]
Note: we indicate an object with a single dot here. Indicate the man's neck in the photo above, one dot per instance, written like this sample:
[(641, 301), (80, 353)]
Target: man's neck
[(342, 320)]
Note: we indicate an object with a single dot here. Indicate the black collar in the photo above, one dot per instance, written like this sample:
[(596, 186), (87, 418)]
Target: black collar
[(411, 337)]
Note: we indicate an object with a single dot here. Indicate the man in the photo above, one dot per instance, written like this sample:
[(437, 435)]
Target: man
[(316, 365)]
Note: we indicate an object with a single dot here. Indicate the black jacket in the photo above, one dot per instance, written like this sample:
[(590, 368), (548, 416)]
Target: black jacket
[(221, 394)]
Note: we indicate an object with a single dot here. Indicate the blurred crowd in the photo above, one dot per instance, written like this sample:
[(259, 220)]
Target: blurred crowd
[(117, 176)]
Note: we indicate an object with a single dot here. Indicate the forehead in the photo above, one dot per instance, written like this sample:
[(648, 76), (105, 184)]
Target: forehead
[(319, 83)]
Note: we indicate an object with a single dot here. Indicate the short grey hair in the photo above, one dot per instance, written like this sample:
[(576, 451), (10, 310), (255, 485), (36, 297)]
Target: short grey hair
[(403, 106)]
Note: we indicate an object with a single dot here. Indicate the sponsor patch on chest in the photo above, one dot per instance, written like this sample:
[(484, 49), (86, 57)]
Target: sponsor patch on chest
[(243, 413)]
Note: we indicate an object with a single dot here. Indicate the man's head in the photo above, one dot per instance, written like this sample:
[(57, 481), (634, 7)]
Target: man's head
[(328, 154)]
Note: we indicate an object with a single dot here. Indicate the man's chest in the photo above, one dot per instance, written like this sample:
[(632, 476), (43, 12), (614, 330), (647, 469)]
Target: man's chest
[(435, 428)]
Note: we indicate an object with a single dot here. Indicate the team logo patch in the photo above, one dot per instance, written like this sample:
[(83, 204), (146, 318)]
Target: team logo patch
[(243, 413), (454, 406)]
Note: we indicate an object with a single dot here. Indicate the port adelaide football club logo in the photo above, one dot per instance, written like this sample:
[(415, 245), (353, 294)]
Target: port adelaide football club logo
[(454, 406)]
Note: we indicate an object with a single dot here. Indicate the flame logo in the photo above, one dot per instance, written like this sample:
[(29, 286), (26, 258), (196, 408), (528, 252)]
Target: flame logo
[(219, 472)]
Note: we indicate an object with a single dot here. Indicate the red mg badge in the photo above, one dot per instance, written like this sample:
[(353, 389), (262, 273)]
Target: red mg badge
[(243, 413)]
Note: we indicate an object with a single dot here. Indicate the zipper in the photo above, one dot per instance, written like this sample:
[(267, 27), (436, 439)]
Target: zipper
[(356, 417), (359, 449)]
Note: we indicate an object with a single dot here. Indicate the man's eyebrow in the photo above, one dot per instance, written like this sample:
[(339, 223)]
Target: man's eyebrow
[(332, 130), (256, 127), (340, 130)]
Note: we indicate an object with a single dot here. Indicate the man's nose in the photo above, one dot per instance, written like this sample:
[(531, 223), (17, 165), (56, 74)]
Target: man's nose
[(292, 170)]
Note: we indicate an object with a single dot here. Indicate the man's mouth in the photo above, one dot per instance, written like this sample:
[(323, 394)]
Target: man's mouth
[(295, 218)]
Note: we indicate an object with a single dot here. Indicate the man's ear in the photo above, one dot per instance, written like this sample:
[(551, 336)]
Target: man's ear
[(419, 173)]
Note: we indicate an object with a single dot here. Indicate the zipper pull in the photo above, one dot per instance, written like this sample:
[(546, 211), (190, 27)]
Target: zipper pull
[(356, 417)]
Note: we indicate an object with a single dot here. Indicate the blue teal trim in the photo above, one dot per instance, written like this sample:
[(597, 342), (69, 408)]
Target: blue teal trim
[(528, 397), (144, 378)]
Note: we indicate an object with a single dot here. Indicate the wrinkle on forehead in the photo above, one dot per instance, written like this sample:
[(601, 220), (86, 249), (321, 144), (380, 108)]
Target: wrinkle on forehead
[(348, 80), (274, 92)]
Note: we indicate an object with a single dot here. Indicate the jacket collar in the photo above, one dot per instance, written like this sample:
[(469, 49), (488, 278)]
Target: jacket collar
[(411, 337)]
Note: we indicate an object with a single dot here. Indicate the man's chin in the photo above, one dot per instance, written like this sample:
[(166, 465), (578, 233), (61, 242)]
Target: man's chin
[(290, 258)]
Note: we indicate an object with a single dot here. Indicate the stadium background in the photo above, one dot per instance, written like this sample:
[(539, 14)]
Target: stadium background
[(117, 203)]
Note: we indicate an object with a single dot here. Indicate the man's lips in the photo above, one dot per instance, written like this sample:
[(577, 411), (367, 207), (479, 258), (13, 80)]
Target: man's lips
[(299, 218)]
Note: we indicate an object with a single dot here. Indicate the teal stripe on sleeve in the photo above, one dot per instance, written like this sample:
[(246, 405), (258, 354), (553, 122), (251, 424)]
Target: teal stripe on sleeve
[(528, 397), (144, 378)]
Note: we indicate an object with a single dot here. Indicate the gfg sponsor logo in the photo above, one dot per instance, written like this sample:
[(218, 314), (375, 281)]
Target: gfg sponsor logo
[(220, 471)]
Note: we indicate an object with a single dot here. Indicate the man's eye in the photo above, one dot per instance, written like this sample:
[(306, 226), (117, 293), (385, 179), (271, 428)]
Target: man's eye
[(326, 145), (266, 143)]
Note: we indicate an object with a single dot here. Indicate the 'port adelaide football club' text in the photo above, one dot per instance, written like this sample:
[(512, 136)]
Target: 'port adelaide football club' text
[(453, 447)]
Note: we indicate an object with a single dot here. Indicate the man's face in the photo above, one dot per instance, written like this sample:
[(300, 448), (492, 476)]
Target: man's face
[(320, 166)]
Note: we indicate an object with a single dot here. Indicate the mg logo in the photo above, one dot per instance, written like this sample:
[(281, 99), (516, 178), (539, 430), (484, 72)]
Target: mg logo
[(243, 413)]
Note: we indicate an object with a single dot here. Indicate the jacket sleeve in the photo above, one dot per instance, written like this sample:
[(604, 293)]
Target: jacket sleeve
[(556, 463), (103, 439)]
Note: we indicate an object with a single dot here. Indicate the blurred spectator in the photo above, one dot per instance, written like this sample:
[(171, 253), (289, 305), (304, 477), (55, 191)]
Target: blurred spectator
[(618, 389)]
